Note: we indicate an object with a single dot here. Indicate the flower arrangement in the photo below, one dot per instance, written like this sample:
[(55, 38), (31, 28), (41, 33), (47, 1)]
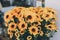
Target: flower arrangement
[(33, 23)]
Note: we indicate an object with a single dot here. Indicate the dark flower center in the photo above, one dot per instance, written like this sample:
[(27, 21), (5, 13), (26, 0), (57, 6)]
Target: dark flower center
[(22, 31), (36, 22), (12, 26), (18, 12), (7, 16), (41, 11), (36, 12), (49, 11), (14, 16), (37, 16), (53, 12), (47, 15), (33, 30), (23, 25), (18, 21), (49, 26), (29, 17)]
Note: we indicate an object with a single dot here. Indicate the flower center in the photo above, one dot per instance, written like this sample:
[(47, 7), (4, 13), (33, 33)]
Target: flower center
[(14, 16), (33, 30), (37, 16), (53, 12), (23, 25), (49, 11), (47, 15), (49, 26), (7, 16), (29, 17), (12, 26), (36, 22)]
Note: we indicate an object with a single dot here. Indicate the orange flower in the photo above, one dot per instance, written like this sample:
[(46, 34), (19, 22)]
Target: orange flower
[(32, 9), (10, 33), (12, 26), (41, 33), (29, 37), (7, 17), (17, 9), (30, 16), (17, 34), (33, 30), (38, 18), (41, 11), (22, 25), (47, 16), (50, 10), (22, 32), (51, 27)]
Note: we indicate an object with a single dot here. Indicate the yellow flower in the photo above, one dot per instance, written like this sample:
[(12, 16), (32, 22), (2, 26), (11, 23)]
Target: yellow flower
[(51, 27), (39, 29), (17, 34), (38, 18), (7, 17), (12, 26), (41, 11), (47, 16), (22, 25), (29, 37), (41, 33), (38, 8), (53, 21), (32, 9), (36, 23), (33, 30), (50, 10), (14, 15), (17, 9), (47, 34), (10, 33), (20, 16), (22, 32), (30, 16)]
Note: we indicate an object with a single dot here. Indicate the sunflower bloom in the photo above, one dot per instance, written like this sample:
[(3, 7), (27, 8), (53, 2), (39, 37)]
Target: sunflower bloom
[(38, 18), (7, 17), (51, 27), (30, 16), (17, 34), (47, 16), (12, 26), (22, 25), (29, 37), (32, 9), (41, 33), (10, 33), (22, 32), (33, 30)]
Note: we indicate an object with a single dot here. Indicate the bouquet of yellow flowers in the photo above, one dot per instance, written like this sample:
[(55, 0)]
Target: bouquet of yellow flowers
[(33, 23)]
